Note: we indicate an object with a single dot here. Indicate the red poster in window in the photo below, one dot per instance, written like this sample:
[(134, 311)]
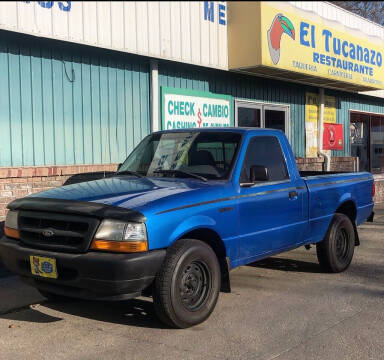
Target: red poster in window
[(333, 138)]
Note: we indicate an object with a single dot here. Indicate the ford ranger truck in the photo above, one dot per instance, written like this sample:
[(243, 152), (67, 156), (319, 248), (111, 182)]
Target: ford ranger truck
[(185, 208)]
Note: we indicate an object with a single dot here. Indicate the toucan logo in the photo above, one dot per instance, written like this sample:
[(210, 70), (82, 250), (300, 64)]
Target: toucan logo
[(280, 25)]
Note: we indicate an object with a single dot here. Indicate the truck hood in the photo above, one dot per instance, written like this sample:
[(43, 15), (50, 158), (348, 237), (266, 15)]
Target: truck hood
[(128, 192)]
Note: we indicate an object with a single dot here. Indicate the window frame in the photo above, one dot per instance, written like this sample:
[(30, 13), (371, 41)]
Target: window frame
[(370, 154), (263, 183), (262, 106)]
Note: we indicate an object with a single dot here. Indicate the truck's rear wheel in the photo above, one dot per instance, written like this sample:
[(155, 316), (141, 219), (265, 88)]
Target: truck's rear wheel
[(335, 252), (187, 286)]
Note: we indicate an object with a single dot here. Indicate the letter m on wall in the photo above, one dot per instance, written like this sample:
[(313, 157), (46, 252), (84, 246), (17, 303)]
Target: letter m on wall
[(209, 11)]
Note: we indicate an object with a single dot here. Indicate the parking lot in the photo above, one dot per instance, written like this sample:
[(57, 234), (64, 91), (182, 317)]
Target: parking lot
[(280, 308)]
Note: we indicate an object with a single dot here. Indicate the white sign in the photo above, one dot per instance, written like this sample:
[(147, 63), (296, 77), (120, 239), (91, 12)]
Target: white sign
[(184, 109)]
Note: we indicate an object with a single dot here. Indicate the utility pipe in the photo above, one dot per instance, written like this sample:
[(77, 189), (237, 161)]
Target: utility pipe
[(320, 131), (154, 81)]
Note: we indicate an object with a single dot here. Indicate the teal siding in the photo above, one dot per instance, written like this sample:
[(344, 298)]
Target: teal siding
[(243, 87), (46, 119)]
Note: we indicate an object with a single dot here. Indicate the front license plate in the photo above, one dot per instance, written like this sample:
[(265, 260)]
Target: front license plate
[(43, 266)]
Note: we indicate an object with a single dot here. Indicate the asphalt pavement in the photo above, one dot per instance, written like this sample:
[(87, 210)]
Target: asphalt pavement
[(283, 307)]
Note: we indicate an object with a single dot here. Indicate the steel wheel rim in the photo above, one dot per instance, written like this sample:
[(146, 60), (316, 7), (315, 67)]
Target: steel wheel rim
[(342, 245), (195, 285)]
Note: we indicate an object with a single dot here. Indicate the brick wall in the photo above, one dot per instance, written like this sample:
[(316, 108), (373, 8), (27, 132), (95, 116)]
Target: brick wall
[(379, 185), (22, 181), (340, 163)]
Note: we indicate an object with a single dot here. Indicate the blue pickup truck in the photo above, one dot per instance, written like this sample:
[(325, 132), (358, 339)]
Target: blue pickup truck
[(185, 208)]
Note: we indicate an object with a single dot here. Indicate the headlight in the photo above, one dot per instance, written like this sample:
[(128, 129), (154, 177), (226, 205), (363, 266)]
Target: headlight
[(11, 228), (118, 236)]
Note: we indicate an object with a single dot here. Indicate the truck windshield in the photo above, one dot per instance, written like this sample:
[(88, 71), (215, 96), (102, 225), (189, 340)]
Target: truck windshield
[(204, 155)]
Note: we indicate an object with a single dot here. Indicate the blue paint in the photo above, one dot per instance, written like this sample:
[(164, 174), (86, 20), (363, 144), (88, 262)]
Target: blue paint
[(222, 12), (66, 7), (304, 33), (63, 5), (209, 12), (282, 223), (46, 4)]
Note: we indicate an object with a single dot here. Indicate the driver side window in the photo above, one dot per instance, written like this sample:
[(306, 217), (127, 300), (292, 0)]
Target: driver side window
[(264, 151)]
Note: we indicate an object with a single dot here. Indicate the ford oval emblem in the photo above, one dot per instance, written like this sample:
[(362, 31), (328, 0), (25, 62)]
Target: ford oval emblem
[(48, 233)]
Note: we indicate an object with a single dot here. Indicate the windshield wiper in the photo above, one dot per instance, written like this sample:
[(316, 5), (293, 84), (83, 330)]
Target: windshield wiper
[(181, 172), (129, 172)]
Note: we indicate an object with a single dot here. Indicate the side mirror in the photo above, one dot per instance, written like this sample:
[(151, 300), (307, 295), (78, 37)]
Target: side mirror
[(119, 166), (258, 173)]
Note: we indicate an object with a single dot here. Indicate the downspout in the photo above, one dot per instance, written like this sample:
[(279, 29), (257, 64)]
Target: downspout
[(154, 81), (320, 131)]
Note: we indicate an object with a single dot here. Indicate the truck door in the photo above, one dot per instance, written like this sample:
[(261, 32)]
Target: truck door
[(271, 216)]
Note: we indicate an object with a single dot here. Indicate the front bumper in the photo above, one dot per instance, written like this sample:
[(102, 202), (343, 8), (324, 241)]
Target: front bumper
[(93, 275)]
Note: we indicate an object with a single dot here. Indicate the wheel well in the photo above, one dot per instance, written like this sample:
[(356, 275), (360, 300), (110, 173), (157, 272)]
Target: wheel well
[(348, 208), (213, 239)]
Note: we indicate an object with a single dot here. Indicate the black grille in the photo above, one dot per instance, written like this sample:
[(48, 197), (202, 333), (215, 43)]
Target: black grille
[(59, 232)]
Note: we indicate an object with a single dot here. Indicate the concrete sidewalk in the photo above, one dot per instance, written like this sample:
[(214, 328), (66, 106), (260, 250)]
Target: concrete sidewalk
[(14, 294)]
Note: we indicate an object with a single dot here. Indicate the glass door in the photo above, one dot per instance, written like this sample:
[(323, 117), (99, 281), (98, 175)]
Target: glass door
[(377, 144), (275, 117), (248, 114), (359, 132)]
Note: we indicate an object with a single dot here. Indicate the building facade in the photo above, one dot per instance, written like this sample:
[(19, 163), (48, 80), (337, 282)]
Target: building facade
[(83, 82)]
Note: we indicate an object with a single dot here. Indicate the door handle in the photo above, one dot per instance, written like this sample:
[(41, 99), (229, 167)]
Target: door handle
[(293, 195)]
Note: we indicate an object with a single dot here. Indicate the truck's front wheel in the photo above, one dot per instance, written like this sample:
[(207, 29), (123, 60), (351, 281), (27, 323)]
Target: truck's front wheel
[(187, 286), (335, 252)]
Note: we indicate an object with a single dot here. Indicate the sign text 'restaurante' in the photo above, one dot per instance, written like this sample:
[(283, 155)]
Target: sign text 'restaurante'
[(339, 53)]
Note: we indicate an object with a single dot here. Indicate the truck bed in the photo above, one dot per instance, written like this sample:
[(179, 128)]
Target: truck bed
[(326, 190)]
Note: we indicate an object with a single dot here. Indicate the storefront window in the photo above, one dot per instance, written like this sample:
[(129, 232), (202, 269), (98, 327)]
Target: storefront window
[(275, 119), (367, 141), (249, 114), (377, 143), (249, 117)]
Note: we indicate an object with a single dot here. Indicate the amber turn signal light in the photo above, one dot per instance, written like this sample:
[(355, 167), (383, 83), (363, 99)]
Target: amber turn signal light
[(119, 246), (12, 233)]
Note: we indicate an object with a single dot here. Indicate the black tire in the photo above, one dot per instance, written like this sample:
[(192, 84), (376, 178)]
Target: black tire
[(54, 297), (187, 286), (335, 252)]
